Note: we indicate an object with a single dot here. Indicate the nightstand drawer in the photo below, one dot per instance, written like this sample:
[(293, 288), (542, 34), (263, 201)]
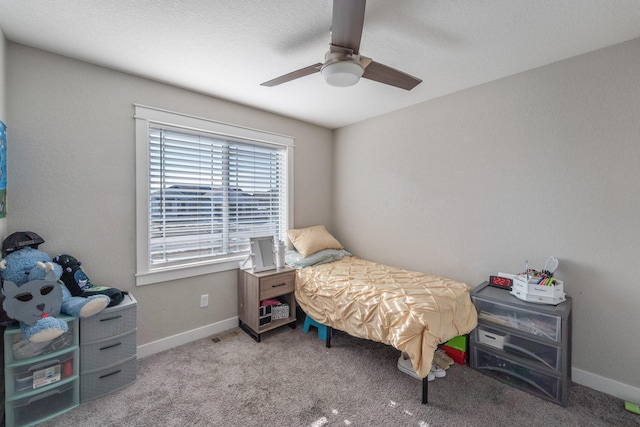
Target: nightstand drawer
[(99, 354), (272, 286)]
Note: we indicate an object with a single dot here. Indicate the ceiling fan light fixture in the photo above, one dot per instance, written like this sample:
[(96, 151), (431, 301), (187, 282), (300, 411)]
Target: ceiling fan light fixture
[(342, 73)]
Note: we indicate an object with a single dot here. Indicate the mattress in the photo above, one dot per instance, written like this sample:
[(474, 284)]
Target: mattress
[(411, 311)]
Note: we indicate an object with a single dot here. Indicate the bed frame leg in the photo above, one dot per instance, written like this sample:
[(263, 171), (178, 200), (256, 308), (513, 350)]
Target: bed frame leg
[(425, 390), (329, 335)]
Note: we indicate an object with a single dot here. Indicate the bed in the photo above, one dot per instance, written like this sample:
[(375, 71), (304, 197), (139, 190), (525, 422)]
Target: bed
[(411, 311)]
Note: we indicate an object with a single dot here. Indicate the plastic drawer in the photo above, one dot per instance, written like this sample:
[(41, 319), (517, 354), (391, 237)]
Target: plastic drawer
[(546, 355), (99, 383), (43, 373), (41, 406), (31, 376), (519, 375), (108, 351), (527, 321), (24, 349), (110, 322)]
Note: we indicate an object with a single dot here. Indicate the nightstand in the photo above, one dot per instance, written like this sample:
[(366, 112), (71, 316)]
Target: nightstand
[(254, 287)]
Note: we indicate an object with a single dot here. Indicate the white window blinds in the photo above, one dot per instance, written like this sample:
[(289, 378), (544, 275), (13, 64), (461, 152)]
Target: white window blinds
[(208, 194)]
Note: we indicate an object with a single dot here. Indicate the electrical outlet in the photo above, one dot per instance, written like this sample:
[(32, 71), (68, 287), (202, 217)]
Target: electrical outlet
[(204, 300)]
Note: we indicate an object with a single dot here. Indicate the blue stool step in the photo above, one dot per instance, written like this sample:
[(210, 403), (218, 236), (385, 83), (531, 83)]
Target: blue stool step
[(322, 329)]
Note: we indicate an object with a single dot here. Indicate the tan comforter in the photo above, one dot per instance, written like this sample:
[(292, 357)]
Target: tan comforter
[(413, 312)]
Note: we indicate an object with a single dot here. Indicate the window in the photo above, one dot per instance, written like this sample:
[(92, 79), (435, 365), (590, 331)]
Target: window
[(204, 188)]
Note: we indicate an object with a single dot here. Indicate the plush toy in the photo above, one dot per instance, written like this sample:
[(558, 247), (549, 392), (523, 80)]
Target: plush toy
[(77, 282), (23, 266), (35, 305)]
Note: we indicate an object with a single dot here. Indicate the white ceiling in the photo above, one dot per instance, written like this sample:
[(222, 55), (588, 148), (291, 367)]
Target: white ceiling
[(226, 48)]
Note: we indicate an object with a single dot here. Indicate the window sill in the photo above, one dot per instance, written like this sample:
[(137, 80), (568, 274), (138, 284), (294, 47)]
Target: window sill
[(184, 272)]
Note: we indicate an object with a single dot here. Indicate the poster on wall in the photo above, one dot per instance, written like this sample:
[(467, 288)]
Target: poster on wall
[(3, 170)]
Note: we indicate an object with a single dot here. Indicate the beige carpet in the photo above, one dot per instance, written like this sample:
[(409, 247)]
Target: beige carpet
[(291, 379)]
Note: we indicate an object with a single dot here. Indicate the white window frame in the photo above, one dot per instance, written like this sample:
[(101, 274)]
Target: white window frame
[(144, 118)]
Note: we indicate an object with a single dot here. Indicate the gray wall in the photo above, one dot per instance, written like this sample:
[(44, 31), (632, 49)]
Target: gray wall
[(71, 176), (542, 163)]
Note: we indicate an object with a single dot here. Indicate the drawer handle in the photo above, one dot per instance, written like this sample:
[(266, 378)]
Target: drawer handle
[(110, 346), (277, 286), (110, 318), (112, 373)]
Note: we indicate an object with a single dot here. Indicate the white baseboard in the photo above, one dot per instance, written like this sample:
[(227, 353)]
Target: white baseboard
[(606, 385), (186, 337)]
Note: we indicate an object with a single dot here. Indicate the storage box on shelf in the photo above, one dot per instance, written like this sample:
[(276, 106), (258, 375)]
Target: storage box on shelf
[(280, 311), (527, 345), (530, 289), (41, 380), (490, 337), (108, 351)]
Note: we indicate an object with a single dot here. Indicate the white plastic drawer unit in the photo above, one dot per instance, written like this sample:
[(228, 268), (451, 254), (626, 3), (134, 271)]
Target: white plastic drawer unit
[(527, 321), (513, 344), (535, 381), (112, 321)]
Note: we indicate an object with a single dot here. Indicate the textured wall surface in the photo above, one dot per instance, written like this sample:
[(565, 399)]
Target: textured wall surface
[(542, 163), (72, 171)]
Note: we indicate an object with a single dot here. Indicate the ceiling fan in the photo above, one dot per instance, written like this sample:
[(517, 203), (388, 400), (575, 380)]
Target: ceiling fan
[(343, 65)]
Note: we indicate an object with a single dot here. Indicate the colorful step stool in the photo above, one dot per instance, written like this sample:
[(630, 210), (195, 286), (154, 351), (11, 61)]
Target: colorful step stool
[(322, 329)]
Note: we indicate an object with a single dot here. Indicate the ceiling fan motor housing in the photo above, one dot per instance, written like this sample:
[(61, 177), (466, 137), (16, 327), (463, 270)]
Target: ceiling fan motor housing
[(341, 69)]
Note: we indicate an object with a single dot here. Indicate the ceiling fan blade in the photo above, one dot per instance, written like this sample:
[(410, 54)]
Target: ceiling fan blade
[(293, 75), (390, 76), (347, 23)]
